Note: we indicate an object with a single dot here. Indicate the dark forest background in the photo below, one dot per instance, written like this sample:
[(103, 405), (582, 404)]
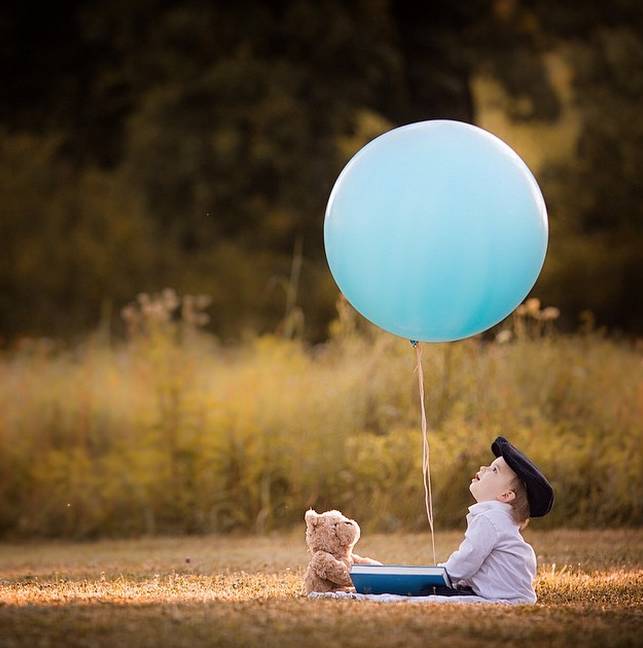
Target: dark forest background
[(194, 144)]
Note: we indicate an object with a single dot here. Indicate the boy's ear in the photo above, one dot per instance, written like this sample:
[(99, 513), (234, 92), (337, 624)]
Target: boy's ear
[(508, 496)]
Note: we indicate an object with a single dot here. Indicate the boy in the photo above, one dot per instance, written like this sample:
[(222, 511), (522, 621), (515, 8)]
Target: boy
[(494, 562)]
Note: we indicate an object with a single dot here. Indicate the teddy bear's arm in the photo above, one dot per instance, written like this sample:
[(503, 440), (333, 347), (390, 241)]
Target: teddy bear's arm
[(328, 567), (359, 560)]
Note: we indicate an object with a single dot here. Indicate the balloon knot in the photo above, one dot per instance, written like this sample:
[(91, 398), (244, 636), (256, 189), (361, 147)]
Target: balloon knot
[(414, 343)]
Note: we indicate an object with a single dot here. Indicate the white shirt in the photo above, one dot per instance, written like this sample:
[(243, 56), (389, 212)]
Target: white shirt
[(494, 559)]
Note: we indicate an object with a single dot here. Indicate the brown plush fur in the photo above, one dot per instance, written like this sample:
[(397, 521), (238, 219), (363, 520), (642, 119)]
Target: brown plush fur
[(330, 537)]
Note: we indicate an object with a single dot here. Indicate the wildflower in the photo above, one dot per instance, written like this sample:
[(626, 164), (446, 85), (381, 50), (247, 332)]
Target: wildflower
[(550, 313), (170, 299), (532, 306)]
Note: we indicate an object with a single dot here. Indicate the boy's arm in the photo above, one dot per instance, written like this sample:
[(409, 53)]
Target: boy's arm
[(479, 539)]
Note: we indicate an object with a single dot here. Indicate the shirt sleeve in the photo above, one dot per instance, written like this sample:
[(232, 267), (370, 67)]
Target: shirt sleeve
[(479, 539)]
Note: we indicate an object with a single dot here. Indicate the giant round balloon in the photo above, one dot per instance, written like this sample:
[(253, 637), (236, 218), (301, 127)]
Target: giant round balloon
[(436, 230)]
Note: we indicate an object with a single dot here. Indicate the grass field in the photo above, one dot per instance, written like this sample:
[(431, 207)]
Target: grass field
[(228, 591)]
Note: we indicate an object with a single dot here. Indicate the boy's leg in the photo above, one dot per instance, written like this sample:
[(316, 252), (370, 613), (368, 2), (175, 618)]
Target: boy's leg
[(441, 590)]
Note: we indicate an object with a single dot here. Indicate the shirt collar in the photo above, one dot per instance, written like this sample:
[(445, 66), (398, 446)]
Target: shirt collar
[(478, 507)]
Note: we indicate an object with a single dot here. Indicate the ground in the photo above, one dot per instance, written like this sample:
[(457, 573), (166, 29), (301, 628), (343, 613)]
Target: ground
[(245, 591)]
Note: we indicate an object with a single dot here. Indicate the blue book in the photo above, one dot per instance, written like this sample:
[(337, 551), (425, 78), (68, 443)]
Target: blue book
[(407, 580)]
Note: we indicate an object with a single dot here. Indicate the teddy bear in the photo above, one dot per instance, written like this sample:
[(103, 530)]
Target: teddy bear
[(330, 537)]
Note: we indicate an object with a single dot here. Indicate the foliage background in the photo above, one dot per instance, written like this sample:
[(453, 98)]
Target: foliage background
[(172, 433), (194, 144)]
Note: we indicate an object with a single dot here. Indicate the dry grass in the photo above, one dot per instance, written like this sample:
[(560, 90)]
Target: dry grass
[(170, 434), (226, 591)]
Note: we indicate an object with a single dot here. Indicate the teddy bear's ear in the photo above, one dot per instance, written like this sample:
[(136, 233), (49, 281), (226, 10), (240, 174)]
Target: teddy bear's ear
[(311, 516)]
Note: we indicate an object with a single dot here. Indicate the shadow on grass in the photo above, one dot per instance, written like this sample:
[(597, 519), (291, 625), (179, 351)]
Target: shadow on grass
[(299, 621)]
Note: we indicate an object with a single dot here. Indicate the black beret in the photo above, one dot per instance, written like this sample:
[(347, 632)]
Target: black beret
[(540, 494)]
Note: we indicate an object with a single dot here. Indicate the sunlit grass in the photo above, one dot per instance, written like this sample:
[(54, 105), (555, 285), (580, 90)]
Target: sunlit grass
[(227, 591)]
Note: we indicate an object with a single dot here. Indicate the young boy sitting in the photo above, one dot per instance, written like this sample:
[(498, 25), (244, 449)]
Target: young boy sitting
[(494, 561)]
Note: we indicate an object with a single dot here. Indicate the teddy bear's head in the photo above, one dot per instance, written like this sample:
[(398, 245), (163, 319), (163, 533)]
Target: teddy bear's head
[(330, 531)]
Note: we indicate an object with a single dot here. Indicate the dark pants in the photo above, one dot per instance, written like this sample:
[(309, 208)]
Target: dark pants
[(441, 590)]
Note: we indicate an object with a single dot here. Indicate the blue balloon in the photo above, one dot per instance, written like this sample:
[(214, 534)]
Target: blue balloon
[(436, 231)]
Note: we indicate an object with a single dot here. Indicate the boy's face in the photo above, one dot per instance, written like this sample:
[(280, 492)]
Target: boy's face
[(493, 482)]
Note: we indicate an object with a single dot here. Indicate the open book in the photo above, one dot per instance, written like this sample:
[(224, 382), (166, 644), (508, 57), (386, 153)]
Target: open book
[(407, 580)]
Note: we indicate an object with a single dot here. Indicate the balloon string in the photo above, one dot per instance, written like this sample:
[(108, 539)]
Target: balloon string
[(426, 467)]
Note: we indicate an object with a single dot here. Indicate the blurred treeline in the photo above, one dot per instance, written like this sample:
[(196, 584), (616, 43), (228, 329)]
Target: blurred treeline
[(194, 144), (172, 432)]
